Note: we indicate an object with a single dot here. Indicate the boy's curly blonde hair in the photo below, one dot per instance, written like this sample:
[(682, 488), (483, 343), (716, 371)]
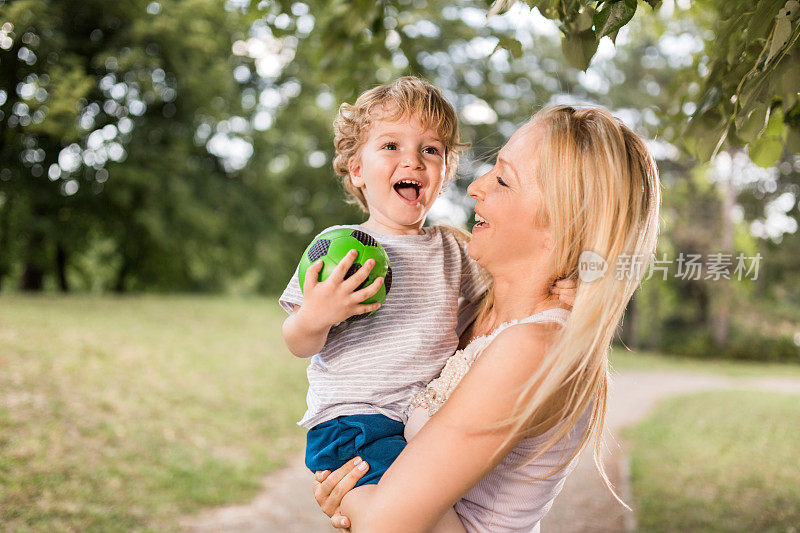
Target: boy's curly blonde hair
[(408, 96)]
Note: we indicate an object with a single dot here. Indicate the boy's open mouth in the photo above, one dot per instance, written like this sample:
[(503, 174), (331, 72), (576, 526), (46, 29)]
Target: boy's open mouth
[(409, 189)]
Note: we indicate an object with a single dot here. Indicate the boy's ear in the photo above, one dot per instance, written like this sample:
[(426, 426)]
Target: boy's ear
[(354, 167)]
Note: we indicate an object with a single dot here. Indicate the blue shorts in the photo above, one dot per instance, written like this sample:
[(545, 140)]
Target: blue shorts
[(377, 439)]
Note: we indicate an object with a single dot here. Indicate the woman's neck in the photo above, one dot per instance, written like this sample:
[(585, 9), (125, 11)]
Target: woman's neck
[(517, 296)]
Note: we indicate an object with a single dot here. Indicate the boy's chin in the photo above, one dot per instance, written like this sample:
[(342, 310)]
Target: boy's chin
[(409, 211)]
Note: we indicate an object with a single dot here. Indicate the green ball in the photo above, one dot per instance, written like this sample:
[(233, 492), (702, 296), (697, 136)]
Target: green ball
[(333, 245)]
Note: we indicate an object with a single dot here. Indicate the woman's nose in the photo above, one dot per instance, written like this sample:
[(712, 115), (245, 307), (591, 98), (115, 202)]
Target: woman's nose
[(475, 190)]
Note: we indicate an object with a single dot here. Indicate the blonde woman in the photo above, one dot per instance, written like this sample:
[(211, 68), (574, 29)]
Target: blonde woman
[(495, 436)]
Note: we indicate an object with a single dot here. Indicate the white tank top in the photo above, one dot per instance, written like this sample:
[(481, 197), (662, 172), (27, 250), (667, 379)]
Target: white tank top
[(510, 498)]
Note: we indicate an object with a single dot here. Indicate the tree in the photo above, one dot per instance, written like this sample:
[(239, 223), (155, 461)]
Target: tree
[(98, 115), (748, 68)]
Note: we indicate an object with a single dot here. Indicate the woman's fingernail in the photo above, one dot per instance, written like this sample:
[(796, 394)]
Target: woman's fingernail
[(343, 522), (362, 466), (356, 461)]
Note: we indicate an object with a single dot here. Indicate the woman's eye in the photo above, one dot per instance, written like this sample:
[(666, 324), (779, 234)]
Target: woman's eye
[(390, 146), (501, 182)]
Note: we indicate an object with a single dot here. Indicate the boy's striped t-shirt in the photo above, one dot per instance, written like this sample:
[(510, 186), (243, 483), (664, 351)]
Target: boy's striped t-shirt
[(374, 365)]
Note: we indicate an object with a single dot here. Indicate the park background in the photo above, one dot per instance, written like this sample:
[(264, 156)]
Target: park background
[(164, 164)]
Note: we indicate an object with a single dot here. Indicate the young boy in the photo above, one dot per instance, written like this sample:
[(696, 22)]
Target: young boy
[(397, 146)]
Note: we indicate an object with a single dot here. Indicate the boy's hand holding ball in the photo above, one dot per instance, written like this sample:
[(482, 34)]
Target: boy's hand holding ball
[(344, 274), (336, 299)]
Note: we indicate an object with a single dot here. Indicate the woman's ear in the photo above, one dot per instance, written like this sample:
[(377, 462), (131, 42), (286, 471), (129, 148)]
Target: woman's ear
[(354, 168)]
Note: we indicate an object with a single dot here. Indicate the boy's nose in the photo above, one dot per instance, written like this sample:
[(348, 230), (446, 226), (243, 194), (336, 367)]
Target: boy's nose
[(412, 160)]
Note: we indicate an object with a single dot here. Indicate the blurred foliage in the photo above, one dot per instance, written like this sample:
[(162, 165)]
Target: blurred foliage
[(187, 146), (102, 107), (750, 67)]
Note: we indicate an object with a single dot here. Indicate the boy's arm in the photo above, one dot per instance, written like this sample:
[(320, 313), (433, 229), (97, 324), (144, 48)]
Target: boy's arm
[(326, 303), (301, 336)]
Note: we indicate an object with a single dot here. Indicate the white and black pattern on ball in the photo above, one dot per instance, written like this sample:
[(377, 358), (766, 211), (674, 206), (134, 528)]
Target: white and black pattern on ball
[(364, 238), (352, 270), (387, 281), (319, 249)]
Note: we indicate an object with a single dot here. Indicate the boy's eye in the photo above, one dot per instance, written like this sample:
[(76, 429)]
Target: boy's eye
[(431, 150), (390, 146), (501, 182)]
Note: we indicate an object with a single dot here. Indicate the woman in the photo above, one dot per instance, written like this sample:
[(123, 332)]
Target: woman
[(499, 448)]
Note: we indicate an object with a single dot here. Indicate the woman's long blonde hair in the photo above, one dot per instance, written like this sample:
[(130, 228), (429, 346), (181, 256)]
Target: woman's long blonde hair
[(602, 194)]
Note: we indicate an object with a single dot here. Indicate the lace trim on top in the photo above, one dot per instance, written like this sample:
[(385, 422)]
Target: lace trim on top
[(439, 390)]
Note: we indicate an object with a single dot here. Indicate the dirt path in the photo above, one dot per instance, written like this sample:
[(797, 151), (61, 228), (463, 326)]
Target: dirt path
[(286, 504)]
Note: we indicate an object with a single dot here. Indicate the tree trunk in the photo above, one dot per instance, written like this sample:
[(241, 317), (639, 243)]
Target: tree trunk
[(5, 239), (61, 268), (120, 285), (35, 254), (32, 278), (33, 273)]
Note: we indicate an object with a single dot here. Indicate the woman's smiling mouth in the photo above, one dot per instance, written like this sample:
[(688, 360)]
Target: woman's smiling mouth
[(480, 222)]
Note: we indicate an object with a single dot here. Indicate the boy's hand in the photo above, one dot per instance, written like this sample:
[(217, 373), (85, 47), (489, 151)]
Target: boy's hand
[(565, 290), (329, 302)]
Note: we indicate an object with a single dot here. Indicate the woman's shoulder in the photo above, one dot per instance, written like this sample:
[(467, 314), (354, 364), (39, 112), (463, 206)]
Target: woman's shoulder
[(531, 335), (522, 346)]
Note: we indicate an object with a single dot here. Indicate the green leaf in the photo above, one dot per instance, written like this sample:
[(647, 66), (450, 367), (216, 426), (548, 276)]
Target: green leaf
[(585, 19), (749, 128), (761, 19), (788, 71), (654, 3), (548, 8), (793, 140), (704, 133), (790, 9), (512, 45), (579, 48), (613, 16), (780, 37), (768, 148), (708, 101), (766, 152)]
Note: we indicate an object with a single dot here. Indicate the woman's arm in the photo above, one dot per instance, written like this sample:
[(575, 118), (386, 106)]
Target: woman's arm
[(454, 450)]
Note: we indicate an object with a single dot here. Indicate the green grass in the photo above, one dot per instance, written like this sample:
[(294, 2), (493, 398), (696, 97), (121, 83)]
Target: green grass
[(623, 359), (719, 461), (122, 414)]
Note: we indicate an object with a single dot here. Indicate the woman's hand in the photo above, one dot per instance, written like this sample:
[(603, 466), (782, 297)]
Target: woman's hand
[(565, 290), (330, 488)]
